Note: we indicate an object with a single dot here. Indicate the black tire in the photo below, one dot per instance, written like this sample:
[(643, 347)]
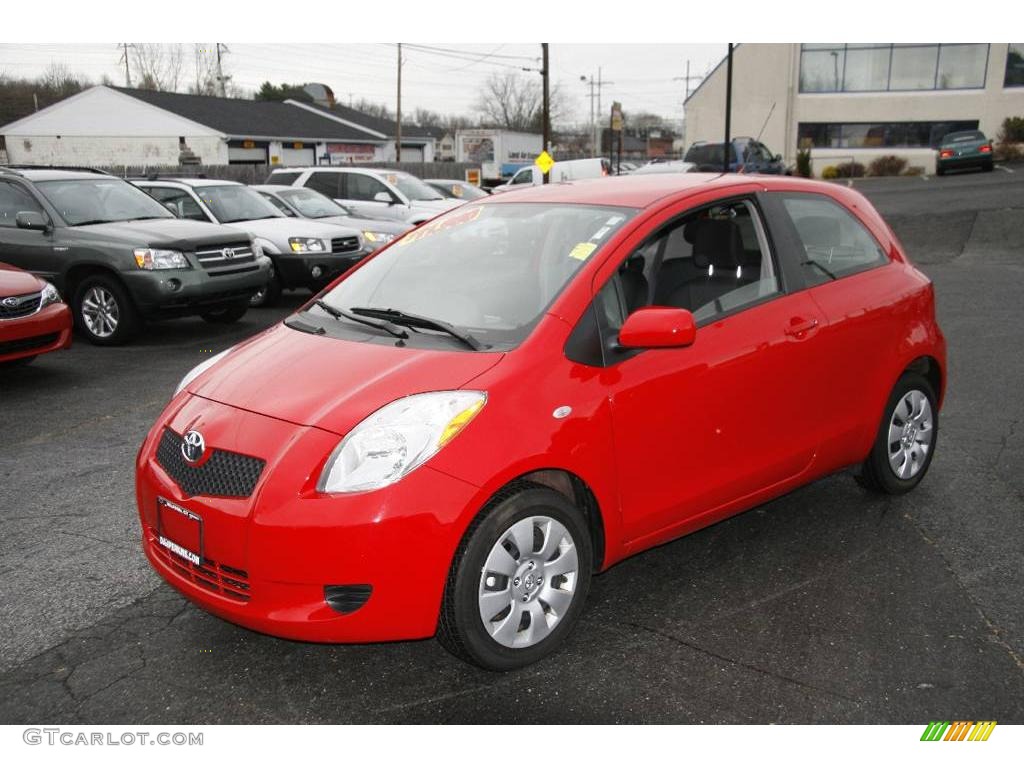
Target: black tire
[(268, 296), (876, 473), (460, 627), (939, 171), (989, 166), (226, 316), (128, 320)]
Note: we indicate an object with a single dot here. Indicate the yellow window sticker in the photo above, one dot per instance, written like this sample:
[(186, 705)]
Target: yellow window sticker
[(582, 251)]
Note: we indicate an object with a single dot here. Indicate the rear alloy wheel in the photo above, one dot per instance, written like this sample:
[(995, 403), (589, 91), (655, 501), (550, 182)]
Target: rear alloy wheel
[(104, 312), (519, 581), (226, 316), (906, 439)]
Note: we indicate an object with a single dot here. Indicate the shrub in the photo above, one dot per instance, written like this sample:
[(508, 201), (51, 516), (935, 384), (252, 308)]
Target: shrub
[(914, 170), (830, 172), (887, 165), (850, 170), (1013, 130), (1005, 151), (803, 163)]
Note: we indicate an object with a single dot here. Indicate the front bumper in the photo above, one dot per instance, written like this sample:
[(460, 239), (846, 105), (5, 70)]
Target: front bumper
[(181, 292), (267, 558), (47, 330), (297, 270)]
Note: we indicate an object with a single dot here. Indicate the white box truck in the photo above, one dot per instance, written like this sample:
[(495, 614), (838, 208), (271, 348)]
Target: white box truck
[(498, 152)]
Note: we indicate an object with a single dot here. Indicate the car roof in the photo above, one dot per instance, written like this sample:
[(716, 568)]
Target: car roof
[(338, 169), (276, 188), (644, 191), (55, 174), (446, 181), (190, 182)]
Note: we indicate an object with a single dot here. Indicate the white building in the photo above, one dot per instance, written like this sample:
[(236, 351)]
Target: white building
[(859, 102), (109, 126)]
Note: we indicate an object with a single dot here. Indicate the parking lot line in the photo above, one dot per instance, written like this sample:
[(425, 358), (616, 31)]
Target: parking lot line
[(1004, 168)]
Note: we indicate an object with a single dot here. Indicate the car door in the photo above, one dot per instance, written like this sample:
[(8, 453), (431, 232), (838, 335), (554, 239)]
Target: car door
[(700, 428), (39, 252), (849, 276), (368, 196)]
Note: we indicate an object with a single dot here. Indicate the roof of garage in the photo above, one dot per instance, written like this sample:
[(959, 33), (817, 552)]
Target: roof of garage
[(377, 125), (243, 118)]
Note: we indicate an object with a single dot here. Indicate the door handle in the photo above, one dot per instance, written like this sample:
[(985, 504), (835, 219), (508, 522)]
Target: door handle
[(798, 327)]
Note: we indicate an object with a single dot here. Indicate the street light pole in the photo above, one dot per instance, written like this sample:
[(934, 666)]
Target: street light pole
[(398, 115), (726, 149)]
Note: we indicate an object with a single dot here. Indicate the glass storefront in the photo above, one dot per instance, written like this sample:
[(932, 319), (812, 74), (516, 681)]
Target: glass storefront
[(842, 68)]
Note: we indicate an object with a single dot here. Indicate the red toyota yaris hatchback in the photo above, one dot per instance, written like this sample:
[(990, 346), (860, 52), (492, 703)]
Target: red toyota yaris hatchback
[(456, 435)]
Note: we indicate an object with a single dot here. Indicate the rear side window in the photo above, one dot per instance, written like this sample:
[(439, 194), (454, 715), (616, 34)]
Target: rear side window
[(363, 187), (282, 177), (834, 242), (325, 182), (709, 154)]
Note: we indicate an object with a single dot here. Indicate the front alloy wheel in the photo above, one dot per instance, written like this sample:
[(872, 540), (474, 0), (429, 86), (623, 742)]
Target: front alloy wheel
[(519, 580), (100, 312), (104, 312)]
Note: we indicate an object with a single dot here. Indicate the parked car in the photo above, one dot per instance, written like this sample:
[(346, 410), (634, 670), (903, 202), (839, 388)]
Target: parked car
[(746, 155), (530, 389), (370, 192), (119, 257), (305, 254), (458, 190), (964, 149), (664, 166), (34, 319), (563, 170), (305, 203)]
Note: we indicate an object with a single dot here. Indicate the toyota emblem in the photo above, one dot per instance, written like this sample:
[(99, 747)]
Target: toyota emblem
[(228, 253), (193, 446)]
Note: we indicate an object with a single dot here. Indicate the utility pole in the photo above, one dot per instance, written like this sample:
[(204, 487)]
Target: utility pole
[(546, 117), (124, 58), (398, 116), (595, 127), (727, 148), (220, 70)]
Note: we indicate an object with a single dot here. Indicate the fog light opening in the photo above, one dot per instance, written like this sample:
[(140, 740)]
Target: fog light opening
[(317, 271), (347, 598)]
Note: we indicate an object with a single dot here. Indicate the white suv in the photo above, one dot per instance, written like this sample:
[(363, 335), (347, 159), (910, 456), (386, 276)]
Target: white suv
[(371, 192)]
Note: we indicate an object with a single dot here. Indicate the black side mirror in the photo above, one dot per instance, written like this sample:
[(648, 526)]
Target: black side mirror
[(778, 158), (32, 220)]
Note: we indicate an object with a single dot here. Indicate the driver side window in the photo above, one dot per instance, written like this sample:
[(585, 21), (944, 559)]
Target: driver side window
[(14, 200), (363, 187)]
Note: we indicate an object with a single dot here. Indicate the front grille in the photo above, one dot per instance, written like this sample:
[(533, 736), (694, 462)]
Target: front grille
[(21, 306), (225, 473), (214, 577), (345, 244), (227, 258), (32, 342)]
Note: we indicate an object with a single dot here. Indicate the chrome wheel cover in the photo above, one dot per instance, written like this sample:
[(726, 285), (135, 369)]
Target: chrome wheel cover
[(911, 434), (528, 581), (257, 298), (100, 312)]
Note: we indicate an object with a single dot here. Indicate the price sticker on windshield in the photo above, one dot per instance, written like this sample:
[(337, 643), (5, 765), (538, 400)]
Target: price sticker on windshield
[(582, 251)]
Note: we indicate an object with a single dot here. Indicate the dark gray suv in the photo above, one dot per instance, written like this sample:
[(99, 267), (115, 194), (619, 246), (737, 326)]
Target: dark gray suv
[(118, 256)]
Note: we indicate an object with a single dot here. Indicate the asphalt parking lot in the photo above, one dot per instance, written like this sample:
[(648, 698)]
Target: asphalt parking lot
[(829, 605)]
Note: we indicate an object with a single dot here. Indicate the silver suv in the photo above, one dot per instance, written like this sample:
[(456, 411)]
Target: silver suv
[(371, 192)]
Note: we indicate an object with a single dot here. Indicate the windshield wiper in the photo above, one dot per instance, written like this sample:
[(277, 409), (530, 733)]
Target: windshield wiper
[(94, 221), (339, 314), (418, 321), (826, 270)]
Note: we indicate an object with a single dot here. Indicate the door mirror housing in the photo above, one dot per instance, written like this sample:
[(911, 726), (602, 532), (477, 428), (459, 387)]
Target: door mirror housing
[(384, 197), (654, 327), (173, 209), (32, 220)]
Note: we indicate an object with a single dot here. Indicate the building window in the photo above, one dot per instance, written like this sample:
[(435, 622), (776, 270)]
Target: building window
[(842, 68), (868, 135), (1014, 66)]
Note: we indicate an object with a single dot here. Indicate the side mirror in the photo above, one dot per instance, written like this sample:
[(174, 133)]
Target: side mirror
[(778, 158), (32, 220), (173, 209), (384, 197), (658, 327)]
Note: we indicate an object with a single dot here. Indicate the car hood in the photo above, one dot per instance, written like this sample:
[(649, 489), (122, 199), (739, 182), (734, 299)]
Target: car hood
[(440, 206), (17, 282), (180, 234), (388, 226), (332, 384), (278, 230)]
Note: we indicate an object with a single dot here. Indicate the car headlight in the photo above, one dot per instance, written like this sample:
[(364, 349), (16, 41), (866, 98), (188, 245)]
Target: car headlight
[(50, 296), (377, 239), (199, 369), (308, 245), (390, 443), (156, 258), (257, 249)]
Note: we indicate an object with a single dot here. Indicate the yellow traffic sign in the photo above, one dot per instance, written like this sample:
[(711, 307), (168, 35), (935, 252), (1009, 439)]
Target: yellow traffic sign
[(544, 161)]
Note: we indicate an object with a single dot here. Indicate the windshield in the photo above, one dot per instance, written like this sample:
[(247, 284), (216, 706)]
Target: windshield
[(489, 269), (963, 136), (412, 187), (103, 199), (312, 204), (233, 202)]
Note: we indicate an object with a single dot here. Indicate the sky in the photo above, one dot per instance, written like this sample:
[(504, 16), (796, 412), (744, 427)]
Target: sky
[(643, 77)]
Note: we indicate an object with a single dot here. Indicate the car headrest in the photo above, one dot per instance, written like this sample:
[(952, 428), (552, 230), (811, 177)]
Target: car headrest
[(818, 231), (633, 264), (717, 242)]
